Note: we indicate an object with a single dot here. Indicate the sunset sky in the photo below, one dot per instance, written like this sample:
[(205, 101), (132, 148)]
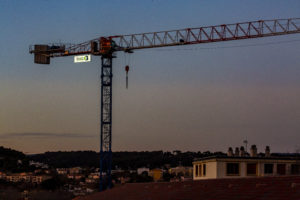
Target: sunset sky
[(196, 98)]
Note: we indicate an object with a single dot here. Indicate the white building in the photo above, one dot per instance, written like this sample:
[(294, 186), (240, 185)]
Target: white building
[(26, 177), (38, 164), (75, 170), (241, 166), (142, 169), (94, 175), (62, 171), (185, 171)]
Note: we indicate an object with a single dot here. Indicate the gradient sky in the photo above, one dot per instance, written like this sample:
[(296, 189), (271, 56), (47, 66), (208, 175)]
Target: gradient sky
[(197, 98)]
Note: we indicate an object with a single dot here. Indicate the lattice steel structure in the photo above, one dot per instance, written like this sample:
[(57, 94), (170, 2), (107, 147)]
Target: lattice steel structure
[(224, 32), (106, 122), (187, 36), (106, 46)]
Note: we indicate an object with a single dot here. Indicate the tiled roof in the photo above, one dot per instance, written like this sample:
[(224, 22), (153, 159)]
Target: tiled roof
[(267, 188)]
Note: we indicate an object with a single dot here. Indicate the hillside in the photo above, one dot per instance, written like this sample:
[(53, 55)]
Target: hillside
[(12, 160)]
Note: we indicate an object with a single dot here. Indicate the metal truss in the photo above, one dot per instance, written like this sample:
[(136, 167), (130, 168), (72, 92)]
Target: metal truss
[(219, 33), (225, 32), (106, 123)]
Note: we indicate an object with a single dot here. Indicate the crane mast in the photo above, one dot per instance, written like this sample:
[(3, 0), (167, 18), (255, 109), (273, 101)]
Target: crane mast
[(106, 121), (107, 46)]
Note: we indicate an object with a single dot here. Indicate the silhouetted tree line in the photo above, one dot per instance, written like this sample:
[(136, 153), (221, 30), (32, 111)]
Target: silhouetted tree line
[(13, 161), (122, 160)]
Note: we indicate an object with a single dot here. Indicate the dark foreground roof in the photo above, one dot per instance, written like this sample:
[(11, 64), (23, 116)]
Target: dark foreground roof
[(272, 188)]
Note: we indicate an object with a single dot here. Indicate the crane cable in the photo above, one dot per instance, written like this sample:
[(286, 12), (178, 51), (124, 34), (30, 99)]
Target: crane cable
[(127, 59)]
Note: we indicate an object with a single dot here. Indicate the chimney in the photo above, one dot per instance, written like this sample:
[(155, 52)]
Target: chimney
[(267, 152), (230, 152), (242, 152), (253, 151), (237, 152)]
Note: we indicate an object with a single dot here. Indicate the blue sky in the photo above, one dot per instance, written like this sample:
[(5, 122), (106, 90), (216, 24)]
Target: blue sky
[(200, 97)]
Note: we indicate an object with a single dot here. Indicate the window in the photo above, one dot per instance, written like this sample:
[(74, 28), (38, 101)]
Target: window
[(281, 169), (233, 169), (295, 169), (268, 168), (200, 170), (251, 169)]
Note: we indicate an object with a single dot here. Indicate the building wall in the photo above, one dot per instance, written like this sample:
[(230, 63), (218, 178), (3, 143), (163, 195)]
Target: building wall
[(222, 170), (156, 174), (217, 168), (186, 171), (142, 169), (275, 170), (26, 178), (211, 170)]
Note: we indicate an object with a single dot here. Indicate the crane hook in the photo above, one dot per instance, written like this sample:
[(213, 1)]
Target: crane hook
[(127, 70)]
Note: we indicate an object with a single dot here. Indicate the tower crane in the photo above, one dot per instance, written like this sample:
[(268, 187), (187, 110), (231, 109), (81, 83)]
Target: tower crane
[(106, 48)]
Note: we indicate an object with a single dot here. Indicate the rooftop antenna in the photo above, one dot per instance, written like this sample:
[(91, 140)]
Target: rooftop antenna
[(246, 144)]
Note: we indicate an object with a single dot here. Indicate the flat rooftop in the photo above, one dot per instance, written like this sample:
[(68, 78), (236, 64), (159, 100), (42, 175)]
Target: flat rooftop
[(248, 157)]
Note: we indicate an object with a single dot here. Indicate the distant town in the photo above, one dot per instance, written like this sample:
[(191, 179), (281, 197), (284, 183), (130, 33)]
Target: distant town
[(69, 174), (65, 175)]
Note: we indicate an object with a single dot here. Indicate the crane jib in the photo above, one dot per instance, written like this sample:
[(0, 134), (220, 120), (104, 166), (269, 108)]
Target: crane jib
[(104, 46)]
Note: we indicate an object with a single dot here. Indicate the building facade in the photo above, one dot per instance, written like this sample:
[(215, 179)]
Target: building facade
[(142, 170), (242, 166), (181, 170), (156, 174), (26, 177)]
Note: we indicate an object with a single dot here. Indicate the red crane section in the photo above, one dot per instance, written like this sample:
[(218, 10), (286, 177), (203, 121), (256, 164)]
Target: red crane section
[(187, 36)]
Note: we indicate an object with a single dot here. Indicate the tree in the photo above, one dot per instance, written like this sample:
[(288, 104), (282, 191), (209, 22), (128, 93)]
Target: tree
[(53, 183)]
